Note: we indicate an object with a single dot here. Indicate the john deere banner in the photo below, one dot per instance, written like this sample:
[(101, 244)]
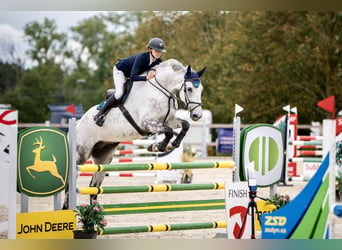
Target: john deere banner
[(46, 225), (43, 161), (306, 216)]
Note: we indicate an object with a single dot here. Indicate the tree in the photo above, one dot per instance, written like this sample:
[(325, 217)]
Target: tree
[(280, 58), (45, 42), (104, 39), (37, 88), (42, 84)]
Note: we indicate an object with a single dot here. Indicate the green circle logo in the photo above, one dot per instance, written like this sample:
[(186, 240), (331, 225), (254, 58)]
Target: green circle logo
[(263, 145), (43, 161)]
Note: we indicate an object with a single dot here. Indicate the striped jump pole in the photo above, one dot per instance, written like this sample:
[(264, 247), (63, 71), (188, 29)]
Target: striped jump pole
[(133, 159), (309, 152), (154, 166), (125, 174), (310, 147), (305, 159), (309, 138), (306, 143), (132, 151), (163, 227), (149, 188), (139, 142), (163, 206), (129, 159)]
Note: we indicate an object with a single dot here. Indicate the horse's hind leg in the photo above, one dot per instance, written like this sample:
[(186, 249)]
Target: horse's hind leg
[(96, 181), (102, 154)]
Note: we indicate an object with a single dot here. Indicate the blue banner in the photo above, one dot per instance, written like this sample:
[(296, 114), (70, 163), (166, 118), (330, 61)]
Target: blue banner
[(306, 216), (225, 140)]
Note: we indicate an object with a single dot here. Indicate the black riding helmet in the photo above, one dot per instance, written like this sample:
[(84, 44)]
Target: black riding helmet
[(157, 44)]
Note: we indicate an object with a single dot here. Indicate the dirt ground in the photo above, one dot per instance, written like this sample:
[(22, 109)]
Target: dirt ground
[(199, 176)]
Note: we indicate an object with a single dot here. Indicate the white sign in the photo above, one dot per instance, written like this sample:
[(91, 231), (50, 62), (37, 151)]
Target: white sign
[(309, 169), (8, 167), (237, 199)]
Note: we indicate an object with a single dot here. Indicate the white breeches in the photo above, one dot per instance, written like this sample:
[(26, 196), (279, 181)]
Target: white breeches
[(119, 81)]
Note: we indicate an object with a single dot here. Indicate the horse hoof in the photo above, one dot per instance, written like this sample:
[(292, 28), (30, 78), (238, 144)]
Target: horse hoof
[(169, 148), (153, 148)]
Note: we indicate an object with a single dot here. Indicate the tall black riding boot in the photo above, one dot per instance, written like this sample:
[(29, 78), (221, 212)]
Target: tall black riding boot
[(100, 116)]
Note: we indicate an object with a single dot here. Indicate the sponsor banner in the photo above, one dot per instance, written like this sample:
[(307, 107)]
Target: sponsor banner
[(309, 169), (225, 140), (306, 216), (263, 208), (46, 225), (238, 221), (263, 145), (43, 161)]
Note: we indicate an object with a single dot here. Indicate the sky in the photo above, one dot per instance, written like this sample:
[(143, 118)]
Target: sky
[(12, 25)]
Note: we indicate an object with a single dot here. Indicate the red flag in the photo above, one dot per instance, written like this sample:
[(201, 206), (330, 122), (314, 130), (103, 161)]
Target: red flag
[(338, 125), (328, 104), (71, 109)]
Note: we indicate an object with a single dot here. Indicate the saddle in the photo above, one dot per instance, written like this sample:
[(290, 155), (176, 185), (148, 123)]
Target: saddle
[(127, 89)]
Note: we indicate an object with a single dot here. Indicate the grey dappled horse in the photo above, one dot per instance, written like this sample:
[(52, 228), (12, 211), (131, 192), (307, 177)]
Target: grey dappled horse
[(152, 105)]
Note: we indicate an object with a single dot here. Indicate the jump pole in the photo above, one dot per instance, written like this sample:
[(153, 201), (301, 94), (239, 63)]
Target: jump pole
[(149, 188), (163, 227), (153, 166), (163, 206)]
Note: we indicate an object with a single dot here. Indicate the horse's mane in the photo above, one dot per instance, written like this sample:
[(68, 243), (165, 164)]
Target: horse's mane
[(173, 63)]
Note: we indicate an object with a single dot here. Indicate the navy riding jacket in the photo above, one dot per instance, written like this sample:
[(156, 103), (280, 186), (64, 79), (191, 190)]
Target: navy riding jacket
[(135, 65)]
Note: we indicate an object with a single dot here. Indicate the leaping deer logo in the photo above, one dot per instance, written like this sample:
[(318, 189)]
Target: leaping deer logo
[(43, 166)]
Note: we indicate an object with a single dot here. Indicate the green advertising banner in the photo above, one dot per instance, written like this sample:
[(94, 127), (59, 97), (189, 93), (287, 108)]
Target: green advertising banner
[(43, 161), (262, 144)]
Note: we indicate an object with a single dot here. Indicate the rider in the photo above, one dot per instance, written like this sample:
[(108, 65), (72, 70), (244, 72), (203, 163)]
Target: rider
[(132, 67)]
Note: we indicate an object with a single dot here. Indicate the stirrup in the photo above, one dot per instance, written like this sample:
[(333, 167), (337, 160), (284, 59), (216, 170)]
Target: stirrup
[(99, 120)]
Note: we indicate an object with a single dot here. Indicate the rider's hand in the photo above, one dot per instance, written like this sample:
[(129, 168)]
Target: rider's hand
[(151, 74)]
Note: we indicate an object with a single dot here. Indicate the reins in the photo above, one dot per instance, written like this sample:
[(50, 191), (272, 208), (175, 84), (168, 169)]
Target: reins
[(167, 93)]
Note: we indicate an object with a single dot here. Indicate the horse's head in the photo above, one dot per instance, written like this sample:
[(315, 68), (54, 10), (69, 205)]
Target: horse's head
[(192, 91)]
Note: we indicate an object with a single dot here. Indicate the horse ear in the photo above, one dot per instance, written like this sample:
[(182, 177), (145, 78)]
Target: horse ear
[(201, 71), (188, 70)]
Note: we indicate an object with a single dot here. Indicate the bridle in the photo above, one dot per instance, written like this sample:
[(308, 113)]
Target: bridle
[(196, 83), (172, 97)]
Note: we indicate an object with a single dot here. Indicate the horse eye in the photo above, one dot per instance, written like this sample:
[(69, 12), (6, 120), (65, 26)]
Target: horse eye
[(189, 89)]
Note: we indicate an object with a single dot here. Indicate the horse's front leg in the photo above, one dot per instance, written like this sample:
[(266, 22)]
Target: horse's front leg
[(185, 125), (159, 129)]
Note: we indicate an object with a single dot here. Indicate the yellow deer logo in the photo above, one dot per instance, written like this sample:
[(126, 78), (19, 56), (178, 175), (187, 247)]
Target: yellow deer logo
[(43, 166)]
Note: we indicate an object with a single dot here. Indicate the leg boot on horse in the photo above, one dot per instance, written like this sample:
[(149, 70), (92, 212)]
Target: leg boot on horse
[(100, 116)]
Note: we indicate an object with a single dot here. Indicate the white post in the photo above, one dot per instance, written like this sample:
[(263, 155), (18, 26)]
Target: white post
[(329, 146), (72, 170), (204, 140), (236, 147), (287, 138), (12, 206)]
